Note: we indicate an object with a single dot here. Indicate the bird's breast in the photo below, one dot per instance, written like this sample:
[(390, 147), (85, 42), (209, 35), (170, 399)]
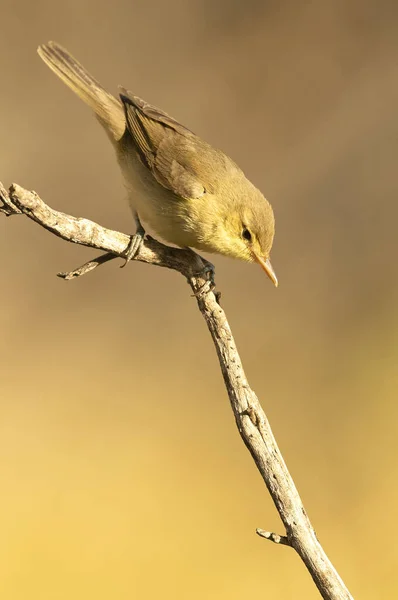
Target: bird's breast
[(164, 212)]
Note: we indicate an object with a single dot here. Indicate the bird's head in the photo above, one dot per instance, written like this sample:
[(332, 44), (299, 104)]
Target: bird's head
[(247, 231)]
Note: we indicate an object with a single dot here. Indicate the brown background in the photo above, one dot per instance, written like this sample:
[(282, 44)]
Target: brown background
[(122, 473)]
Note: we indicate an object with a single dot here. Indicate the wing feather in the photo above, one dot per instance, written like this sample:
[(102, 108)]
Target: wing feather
[(166, 147)]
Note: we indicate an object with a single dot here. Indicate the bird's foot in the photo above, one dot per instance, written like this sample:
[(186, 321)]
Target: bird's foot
[(208, 274), (134, 244)]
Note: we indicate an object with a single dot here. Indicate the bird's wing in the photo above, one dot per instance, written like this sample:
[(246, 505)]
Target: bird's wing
[(169, 150)]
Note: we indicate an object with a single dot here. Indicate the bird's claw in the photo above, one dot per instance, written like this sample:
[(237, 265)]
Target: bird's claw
[(207, 273), (134, 245)]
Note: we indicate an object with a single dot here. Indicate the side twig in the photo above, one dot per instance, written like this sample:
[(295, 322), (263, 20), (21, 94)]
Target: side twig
[(250, 418)]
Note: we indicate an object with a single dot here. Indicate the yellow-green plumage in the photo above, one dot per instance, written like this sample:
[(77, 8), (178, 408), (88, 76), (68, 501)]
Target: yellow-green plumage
[(190, 193)]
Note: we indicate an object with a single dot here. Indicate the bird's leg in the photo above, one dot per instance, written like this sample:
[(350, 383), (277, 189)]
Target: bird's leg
[(209, 270), (135, 240), (207, 273)]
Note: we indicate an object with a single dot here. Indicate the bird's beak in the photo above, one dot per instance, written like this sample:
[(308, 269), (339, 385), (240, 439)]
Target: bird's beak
[(267, 267)]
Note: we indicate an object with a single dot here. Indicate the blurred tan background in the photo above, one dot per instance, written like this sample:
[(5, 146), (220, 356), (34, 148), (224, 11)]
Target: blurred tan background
[(122, 473)]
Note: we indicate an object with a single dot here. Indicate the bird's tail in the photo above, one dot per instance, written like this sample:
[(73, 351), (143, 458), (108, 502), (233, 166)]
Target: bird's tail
[(107, 108)]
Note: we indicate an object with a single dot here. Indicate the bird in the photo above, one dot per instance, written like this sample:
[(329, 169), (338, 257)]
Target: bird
[(190, 193)]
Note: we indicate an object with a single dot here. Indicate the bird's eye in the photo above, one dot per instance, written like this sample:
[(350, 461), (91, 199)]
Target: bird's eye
[(246, 234)]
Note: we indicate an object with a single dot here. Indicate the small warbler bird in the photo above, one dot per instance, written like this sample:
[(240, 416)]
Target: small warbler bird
[(190, 193)]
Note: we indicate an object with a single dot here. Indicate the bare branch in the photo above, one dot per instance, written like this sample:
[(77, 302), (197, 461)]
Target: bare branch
[(87, 267), (250, 418)]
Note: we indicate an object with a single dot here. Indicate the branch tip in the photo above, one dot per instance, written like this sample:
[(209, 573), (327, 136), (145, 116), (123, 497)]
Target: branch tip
[(7, 206), (283, 540), (87, 267)]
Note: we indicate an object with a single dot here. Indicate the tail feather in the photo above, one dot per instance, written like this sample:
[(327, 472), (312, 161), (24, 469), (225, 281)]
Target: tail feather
[(107, 108)]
